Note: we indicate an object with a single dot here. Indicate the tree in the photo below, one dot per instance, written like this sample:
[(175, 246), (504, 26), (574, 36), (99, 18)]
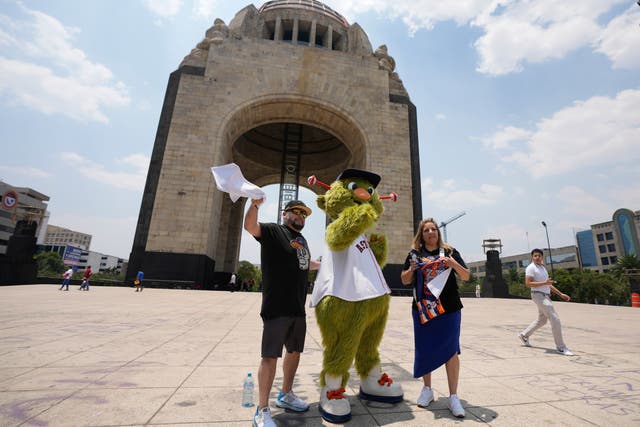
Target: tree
[(626, 262), (49, 263), (591, 287), (516, 283), (247, 271)]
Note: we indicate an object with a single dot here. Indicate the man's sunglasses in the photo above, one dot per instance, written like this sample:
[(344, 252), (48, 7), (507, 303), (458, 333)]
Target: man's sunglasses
[(299, 212)]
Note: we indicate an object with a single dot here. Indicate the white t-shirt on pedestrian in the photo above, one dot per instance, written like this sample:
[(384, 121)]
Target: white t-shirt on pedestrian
[(539, 274)]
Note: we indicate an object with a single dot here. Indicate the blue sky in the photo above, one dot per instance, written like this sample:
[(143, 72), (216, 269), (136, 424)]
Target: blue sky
[(527, 110)]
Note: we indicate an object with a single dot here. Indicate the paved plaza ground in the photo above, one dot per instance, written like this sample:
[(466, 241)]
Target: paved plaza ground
[(114, 357)]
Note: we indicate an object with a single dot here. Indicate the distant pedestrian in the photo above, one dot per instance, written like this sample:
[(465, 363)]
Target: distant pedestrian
[(232, 282), (478, 290), (85, 279), (66, 278), (537, 278), (138, 281)]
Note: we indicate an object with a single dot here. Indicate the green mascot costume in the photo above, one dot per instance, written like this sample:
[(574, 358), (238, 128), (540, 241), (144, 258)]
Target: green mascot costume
[(350, 295)]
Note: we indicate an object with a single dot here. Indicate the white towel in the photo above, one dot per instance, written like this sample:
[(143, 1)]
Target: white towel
[(229, 179)]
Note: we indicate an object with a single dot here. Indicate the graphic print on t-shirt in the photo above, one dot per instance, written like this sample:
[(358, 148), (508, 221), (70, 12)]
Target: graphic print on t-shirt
[(300, 244)]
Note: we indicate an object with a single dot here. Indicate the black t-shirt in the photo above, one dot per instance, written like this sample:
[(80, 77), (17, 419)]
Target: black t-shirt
[(450, 298), (285, 260)]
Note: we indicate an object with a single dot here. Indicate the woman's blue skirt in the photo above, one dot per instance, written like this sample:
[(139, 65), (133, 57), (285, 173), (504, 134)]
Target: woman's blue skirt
[(435, 342)]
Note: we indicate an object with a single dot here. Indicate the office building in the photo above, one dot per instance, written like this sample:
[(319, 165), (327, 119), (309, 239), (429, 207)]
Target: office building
[(21, 203), (59, 236), (612, 239)]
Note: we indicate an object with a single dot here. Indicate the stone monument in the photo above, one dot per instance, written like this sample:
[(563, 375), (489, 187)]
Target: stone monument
[(287, 90), (493, 285)]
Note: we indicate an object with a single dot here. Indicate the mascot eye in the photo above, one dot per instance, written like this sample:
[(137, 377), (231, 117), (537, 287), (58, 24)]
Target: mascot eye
[(352, 186), (370, 190)]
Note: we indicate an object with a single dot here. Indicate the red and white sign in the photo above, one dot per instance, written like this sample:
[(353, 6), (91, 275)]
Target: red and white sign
[(9, 199)]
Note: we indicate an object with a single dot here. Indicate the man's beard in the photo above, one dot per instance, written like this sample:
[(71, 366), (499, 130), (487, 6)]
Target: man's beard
[(292, 224)]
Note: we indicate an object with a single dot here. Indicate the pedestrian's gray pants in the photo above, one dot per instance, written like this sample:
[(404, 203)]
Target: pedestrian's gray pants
[(545, 311)]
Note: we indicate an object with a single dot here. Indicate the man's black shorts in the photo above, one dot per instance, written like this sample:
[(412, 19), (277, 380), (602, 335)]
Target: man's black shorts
[(283, 331)]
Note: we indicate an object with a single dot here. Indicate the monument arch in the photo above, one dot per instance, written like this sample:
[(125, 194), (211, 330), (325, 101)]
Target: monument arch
[(289, 71)]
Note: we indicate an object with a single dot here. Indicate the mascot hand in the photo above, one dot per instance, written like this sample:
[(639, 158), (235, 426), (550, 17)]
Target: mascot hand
[(378, 244), (352, 222)]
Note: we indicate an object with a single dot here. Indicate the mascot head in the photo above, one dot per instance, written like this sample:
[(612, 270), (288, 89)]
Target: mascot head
[(352, 188), (352, 203)]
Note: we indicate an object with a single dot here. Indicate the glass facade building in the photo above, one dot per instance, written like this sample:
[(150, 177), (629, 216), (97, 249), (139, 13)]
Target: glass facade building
[(586, 249)]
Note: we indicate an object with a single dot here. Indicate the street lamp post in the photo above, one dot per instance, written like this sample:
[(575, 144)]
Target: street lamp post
[(544, 224)]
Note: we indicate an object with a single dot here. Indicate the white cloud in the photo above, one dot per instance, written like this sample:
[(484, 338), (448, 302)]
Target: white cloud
[(164, 8), (517, 32), (42, 70), (577, 203), (449, 197), (506, 137), (441, 116), (620, 40), (535, 32), (132, 179), (600, 131), (205, 8), (24, 171), (416, 14)]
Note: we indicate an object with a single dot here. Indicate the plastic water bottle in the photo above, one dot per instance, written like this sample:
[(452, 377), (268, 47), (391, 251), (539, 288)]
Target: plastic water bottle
[(247, 391)]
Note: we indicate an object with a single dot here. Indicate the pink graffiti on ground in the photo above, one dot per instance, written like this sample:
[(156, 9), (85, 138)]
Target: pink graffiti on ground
[(18, 409)]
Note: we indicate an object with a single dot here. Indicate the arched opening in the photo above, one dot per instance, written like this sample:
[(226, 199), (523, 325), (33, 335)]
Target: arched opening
[(330, 141)]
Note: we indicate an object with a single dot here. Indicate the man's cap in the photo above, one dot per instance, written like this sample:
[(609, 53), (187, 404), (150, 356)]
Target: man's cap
[(297, 204), (373, 178)]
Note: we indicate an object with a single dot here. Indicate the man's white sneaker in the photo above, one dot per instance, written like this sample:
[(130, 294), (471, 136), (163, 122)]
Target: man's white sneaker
[(565, 351), (455, 406), (291, 401), (525, 340), (426, 397), (262, 418)]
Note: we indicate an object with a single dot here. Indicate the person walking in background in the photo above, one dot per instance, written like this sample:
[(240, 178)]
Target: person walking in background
[(138, 281), (537, 278), (285, 261), (436, 318), (85, 279), (66, 278), (232, 282), (478, 290)]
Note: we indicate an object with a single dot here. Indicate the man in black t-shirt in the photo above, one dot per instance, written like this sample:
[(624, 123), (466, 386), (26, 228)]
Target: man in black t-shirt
[(285, 261)]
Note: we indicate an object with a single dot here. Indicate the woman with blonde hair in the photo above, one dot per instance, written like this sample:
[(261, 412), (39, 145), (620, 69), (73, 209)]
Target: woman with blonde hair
[(431, 267)]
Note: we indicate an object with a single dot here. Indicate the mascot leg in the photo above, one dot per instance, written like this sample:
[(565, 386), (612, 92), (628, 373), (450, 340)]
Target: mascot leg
[(334, 406), (341, 326), (375, 385)]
